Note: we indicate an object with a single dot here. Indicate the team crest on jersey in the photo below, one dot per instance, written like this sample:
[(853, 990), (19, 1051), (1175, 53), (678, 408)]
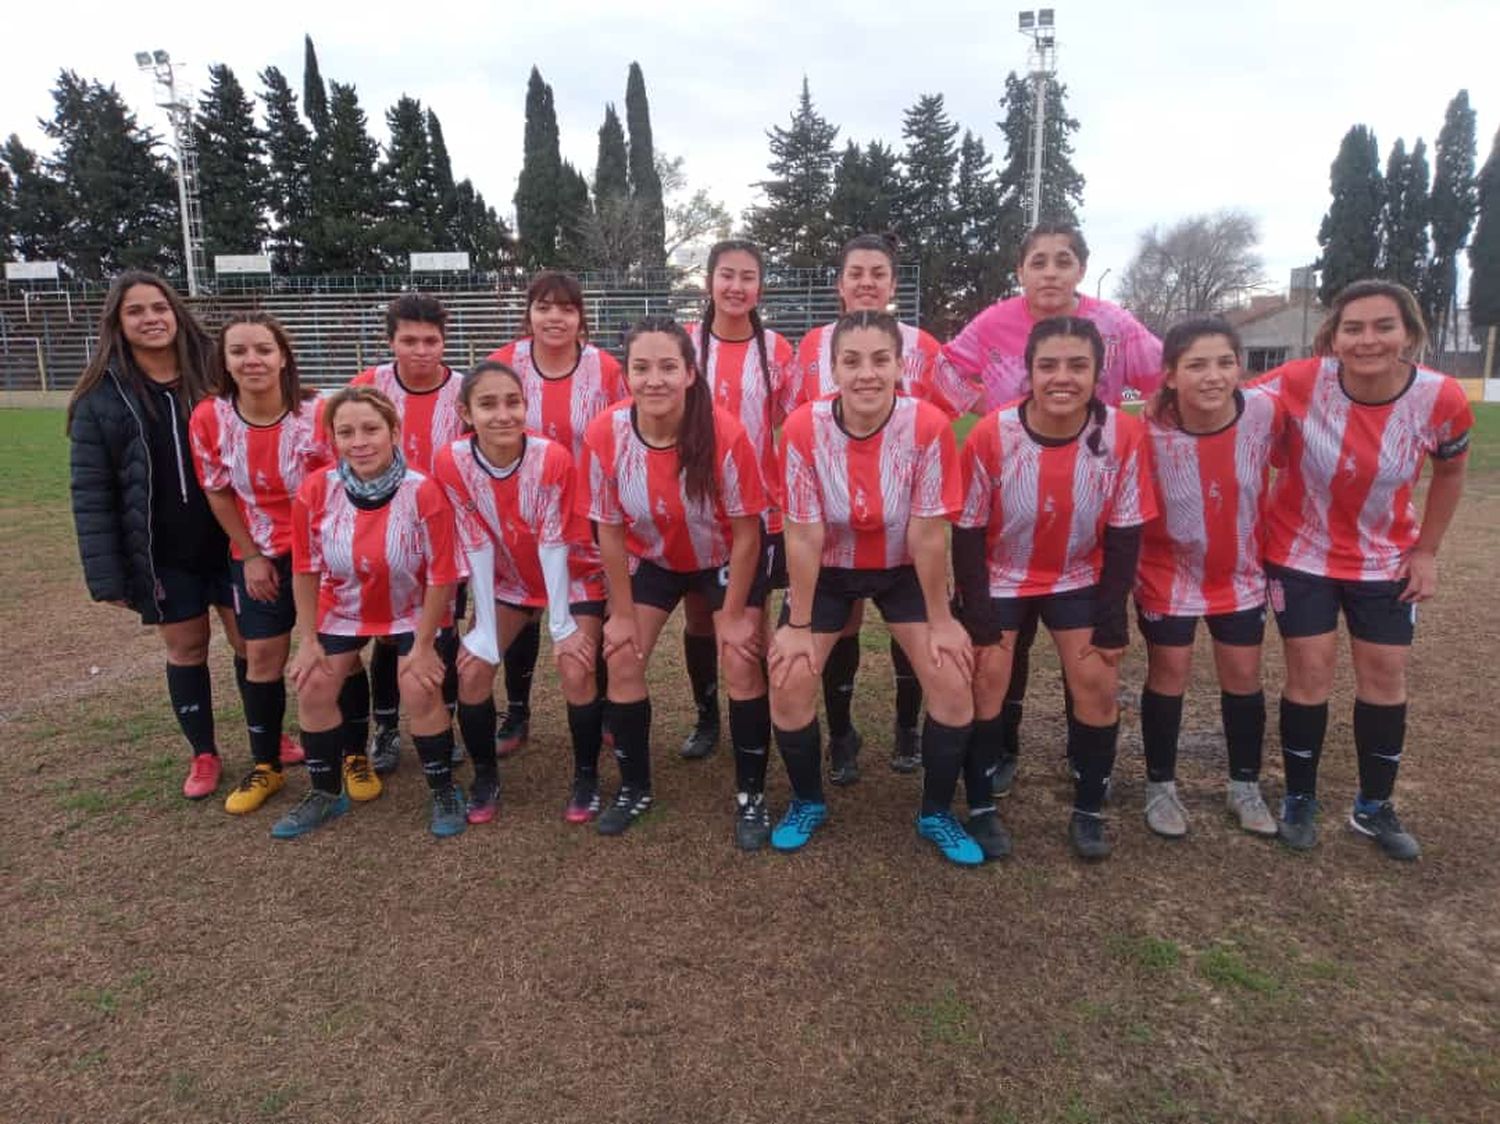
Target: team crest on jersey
[(1351, 466), (261, 482), (1216, 496), (859, 504)]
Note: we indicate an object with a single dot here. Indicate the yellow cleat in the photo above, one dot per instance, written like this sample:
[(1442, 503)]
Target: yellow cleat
[(360, 781), (260, 784)]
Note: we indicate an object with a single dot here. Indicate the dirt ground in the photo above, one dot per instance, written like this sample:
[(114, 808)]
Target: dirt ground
[(167, 962)]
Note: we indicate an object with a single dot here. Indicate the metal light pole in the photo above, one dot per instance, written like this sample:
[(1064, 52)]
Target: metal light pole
[(1040, 27), (159, 64)]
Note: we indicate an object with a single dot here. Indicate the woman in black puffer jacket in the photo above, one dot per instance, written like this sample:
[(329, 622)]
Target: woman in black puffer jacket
[(147, 538)]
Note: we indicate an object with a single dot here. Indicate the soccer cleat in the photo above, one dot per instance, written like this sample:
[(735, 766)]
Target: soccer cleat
[(316, 809), (703, 740), (1244, 801), (1086, 836), (843, 757), (449, 812), (583, 802), (630, 804), (986, 829), (484, 796), (1298, 828), (803, 817), (361, 782), (203, 776), (752, 822), (906, 752), (385, 749), (955, 844), (1383, 826), (1003, 779), (291, 751), (1165, 814), (258, 785), (512, 735)]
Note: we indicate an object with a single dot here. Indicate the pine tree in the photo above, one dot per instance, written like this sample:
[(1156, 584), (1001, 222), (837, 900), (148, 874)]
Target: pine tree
[(1404, 219), (347, 222), (612, 170), (866, 192), (1453, 205), (1062, 185), (447, 206), (645, 182), (1350, 232), (37, 213), (479, 232), (614, 235), (792, 227), (540, 185), (231, 168), (314, 94), (408, 183), (7, 211), (573, 217), (987, 229), (927, 219), (1484, 250), (289, 174)]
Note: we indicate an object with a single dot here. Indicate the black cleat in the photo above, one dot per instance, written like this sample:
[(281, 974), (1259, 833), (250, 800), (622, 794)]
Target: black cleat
[(1086, 835), (986, 829), (843, 757), (1385, 829), (906, 753)]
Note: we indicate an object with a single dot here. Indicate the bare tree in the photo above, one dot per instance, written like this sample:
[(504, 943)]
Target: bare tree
[(1201, 265), (613, 230)]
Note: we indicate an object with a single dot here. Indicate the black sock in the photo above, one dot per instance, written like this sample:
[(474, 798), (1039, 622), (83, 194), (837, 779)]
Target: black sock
[(1161, 726), (750, 733), (631, 725), (1010, 727), (838, 684), (943, 751), (1015, 691), (979, 763), (241, 673), (265, 709), (1379, 738), (586, 724), (908, 689), (520, 663), (802, 754), (1302, 729), (701, 654), (385, 690), (1091, 752), (447, 648), (191, 692), (435, 751), (354, 709), (1244, 732), (477, 722), (325, 752)]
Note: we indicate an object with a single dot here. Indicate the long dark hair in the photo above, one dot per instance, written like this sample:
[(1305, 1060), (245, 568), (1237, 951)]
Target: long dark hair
[(715, 252), (559, 288), (1077, 328), (293, 394), (194, 349), (697, 451), (1162, 405), (1411, 313)]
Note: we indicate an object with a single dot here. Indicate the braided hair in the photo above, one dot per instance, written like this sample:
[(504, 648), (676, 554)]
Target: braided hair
[(757, 329), (1077, 328), (697, 452)]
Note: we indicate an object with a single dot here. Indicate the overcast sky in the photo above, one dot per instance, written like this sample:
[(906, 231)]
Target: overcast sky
[(1185, 107)]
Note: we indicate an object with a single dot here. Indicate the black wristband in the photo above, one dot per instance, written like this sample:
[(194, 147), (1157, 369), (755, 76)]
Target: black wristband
[(789, 624)]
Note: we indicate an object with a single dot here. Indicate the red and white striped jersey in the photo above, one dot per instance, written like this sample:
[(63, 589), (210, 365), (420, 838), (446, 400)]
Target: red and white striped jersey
[(561, 407), (263, 465), (922, 376), (374, 565), (1202, 556), (1341, 505), (1045, 504), (530, 506), (866, 490), (624, 480), (429, 418)]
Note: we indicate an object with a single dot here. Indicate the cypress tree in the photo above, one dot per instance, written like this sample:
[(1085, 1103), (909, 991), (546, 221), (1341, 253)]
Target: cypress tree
[(1484, 250), (645, 182), (539, 188), (612, 169), (1404, 221), (314, 95), (231, 168), (1453, 205), (446, 210), (615, 236), (928, 220), (574, 215), (1350, 232), (1062, 184), (347, 230), (289, 174), (408, 185), (792, 227)]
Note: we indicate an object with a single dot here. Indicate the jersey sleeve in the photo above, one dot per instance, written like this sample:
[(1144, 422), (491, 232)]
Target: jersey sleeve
[(937, 486), (966, 350), (1141, 356), (506, 354), (471, 533), (611, 377), (800, 388), (803, 501), (1134, 499), (319, 447), (446, 564), (975, 466), (741, 490), (364, 378), (556, 497), (203, 435), (307, 549), (1452, 421), (784, 381), (598, 495)]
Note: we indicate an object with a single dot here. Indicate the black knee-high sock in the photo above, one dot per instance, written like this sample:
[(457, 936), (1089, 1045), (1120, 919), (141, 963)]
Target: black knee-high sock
[(191, 692), (325, 751), (520, 663), (435, 751), (802, 754), (1091, 752), (447, 648), (1379, 739), (586, 725), (1161, 727), (241, 673), (1244, 732), (701, 654), (1302, 729), (979, 764), (265, 709), (1015, 691), (477, 723), (943, 751), (354, 709), (908, 689), (385, 689), (601, 671), (631, 725), (838, 685), (750, 731)]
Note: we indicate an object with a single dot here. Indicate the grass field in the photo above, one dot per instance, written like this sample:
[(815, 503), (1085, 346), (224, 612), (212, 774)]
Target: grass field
[(168, 963)]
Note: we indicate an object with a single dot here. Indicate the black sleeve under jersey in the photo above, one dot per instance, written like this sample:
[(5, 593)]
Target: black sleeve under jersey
[(971, 574), (1122, 552)]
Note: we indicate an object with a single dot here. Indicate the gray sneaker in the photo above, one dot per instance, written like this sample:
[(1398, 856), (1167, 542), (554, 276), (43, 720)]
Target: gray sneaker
[(385, 750), (752, 822), (316, 809), (1298, 828), (1165, 814), (1385, 828), (1244, 801)]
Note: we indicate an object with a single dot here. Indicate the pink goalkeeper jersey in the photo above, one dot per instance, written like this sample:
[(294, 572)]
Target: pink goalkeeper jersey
[(1202, 557), (992, 349), (562, 407), (922, 375)]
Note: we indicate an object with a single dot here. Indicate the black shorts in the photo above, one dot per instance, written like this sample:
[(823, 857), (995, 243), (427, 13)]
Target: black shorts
[(577, 608), (184, 595), (773, 551), (1308, 605), (1060, 612), (1245, 628), (334, 645), (662, 588), (263, 620), (896, 592)]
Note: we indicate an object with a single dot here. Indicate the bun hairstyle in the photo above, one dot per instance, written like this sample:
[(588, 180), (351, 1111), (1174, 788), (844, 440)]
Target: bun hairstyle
[(1066, 230), (1162, 405), (716, 251), (697, 452), (1077, 328), (1411, 313), (560, 288), (292, 391), (867, 318)]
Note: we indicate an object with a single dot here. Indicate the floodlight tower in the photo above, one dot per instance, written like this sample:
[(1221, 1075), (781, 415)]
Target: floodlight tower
[(1040, 27), (159, 64)]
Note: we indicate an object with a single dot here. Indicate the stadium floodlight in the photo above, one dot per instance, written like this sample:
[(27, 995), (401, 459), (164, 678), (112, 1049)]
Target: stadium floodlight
[(160, 57), (158, 63), (1044, 18), (1027, 21), (143, 59), (1039, 26)]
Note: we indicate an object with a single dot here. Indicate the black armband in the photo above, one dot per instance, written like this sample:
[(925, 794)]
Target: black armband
[(1122, 551), (1457, 447)]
